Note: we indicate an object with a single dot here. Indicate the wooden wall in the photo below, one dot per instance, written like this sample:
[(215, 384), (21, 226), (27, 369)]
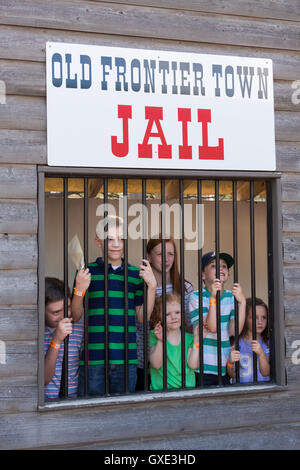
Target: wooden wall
[(235, 27)]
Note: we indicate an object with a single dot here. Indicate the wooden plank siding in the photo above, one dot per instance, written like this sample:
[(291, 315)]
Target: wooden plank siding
[(281, 10), (151, 22), (248, 28), (111, 425), (29, 44), (288, 435)]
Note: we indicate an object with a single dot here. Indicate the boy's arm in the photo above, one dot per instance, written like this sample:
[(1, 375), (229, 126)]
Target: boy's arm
[(211, 319), (82, 283), (193, 358), (63, 329), (76, 307)]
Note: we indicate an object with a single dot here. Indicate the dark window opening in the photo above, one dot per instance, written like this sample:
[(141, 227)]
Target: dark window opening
[(200, 214)]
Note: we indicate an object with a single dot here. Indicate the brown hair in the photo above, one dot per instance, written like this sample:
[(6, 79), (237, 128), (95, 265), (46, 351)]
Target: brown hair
[(261, 303), (55, 290), (174, 271), (156, 315)]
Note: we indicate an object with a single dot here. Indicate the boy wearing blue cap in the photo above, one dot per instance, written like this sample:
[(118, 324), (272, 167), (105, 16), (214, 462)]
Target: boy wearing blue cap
[(209, 309)]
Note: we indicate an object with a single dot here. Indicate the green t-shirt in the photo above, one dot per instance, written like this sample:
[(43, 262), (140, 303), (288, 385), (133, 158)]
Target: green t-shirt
[(173, 365)]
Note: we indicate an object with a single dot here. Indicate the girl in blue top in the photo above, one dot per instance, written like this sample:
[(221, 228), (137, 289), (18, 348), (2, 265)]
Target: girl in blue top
[(247, 346)]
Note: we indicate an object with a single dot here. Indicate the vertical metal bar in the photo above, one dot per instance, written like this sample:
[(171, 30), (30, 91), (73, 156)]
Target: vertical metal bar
[(253, 290), (276, 309), (106, 312), (145, 308), (125, 238), (200, 298), (65, 373), (41, 286), (163, 261), (235, 276), (217, 249), (85, 300), (270, 250), (182, 285)]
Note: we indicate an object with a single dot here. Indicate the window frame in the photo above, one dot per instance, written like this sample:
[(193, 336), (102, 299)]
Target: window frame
[(275, 277)]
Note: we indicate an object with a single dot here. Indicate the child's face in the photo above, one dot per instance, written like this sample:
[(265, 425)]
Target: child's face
[(261, 319), (155, 257), (115, 245), (54, 312), (209, 272), (173, 315)]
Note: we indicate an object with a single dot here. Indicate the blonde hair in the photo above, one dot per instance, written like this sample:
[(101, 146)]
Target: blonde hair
[(157, 312), (111, 221)]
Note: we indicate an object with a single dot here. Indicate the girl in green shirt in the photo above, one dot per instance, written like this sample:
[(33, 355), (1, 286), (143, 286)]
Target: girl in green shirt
[(173, 324)]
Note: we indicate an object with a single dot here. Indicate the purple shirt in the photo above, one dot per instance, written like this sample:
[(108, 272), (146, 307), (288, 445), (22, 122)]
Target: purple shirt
[(246, 362)]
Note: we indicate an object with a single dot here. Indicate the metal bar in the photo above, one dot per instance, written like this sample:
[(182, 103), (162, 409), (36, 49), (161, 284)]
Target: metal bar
[(125, 238), (218, 307), (253, 290), (106, 313), (270, 250), (159, 173), (163, 267), (145, 309), (182, 284), (85, 300), (41, 287), (200, 298), (65, 374), (276, 309), (235, 276)]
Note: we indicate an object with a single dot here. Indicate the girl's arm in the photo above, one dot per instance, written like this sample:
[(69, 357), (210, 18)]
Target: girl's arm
[(264, 365), (233, 358), (139, 310), (193, 357), (147, 274), (156, 352), (240, 298)]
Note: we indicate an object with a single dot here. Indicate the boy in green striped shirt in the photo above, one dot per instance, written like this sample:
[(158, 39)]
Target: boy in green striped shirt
[(209, 307), (116, 312)]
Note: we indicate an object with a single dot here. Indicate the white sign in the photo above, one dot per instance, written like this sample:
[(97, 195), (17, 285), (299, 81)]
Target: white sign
[(133, 108)]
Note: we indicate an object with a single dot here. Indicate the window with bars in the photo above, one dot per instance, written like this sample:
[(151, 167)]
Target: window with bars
[(201, 211)]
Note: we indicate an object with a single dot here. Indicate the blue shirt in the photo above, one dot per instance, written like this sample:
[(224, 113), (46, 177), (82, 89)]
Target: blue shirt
[(246, 362), (116, 313)]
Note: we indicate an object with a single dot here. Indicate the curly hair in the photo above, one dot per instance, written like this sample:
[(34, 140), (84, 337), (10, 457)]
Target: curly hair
[(156, 315)]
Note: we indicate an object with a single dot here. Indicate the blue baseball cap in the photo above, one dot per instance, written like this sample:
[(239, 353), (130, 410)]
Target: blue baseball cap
[(211, 255)]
